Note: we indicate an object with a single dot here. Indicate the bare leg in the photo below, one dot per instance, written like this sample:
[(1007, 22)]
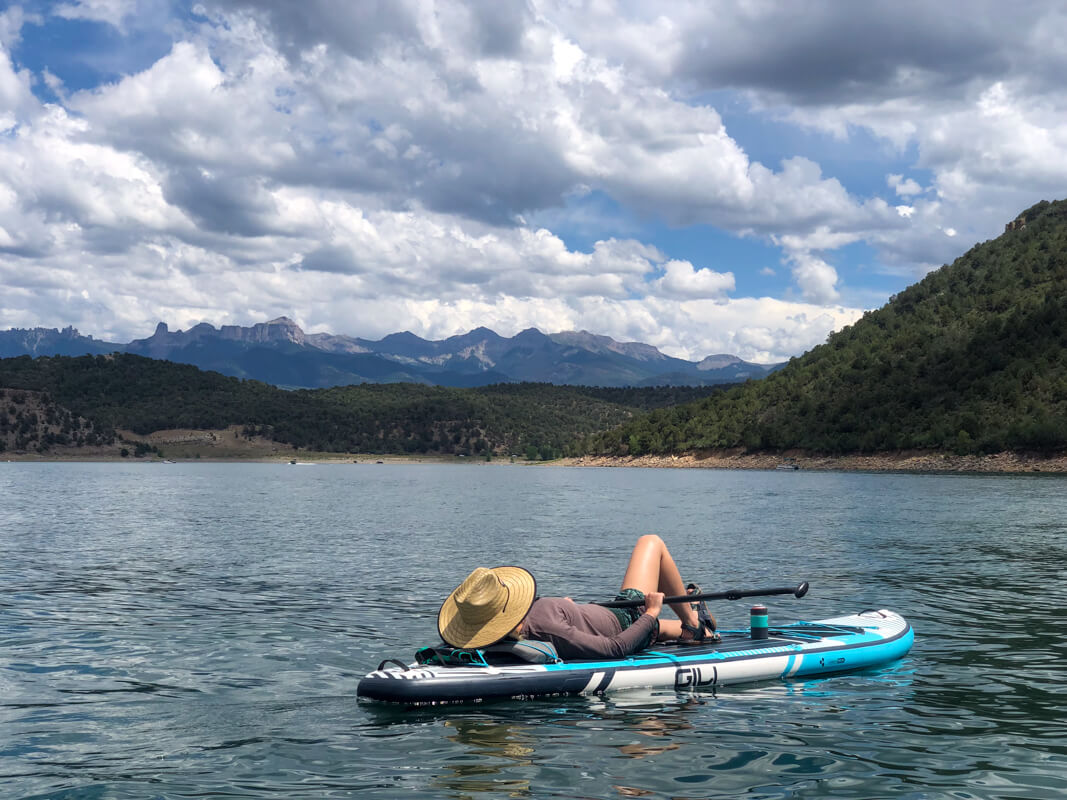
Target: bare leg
[(652, 569)]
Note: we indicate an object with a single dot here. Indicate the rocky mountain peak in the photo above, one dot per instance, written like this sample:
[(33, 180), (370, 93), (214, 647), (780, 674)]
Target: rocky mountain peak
[(718, 362), (597, 343), (280, 329)]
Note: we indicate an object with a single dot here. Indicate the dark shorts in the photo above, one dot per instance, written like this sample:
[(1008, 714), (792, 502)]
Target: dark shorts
[(628, 616)]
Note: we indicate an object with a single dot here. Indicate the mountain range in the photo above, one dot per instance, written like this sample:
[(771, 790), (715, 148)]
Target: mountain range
[(279, 352)]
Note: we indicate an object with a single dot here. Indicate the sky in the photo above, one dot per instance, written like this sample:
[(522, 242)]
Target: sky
[(707, 177)]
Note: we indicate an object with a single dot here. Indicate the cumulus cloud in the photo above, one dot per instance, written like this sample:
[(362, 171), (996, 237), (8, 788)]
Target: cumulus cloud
[(824, 54), (815, 278), (112, 12), (905, 187), (15, 93), (760, 329), (878, 50), (11, 21), (682, 280)]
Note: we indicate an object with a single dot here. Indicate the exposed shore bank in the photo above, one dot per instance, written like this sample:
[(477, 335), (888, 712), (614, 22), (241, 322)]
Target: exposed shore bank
[(230, 445), (878, 462)]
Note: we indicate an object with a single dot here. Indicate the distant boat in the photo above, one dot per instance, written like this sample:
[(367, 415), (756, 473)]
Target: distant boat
[(788, 466)]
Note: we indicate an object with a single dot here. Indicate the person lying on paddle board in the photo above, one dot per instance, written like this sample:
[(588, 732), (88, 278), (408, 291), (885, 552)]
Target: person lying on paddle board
[(494, 604)]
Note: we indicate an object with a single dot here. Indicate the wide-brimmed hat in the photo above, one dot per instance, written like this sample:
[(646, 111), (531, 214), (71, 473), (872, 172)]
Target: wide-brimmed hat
[(486, 606)]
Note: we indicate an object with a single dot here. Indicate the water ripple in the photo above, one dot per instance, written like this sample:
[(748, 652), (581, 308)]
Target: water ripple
[(198, 631)]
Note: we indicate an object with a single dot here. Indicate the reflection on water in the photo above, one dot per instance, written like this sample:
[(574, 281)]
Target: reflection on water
[(657, 729), (199, 630), (485, 743)]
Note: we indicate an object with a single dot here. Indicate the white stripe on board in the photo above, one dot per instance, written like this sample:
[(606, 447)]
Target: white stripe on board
[(594, 682)]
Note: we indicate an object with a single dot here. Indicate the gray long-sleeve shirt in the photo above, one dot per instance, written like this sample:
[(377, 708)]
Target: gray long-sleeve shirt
[(584, 631)]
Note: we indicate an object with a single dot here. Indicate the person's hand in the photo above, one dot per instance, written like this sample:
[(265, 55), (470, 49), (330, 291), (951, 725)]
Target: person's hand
[(654, 603)]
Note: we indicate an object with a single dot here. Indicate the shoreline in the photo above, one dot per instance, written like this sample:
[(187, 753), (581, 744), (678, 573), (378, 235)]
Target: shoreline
[(918, 462), (297, 459), (908, 462), (228, 445)]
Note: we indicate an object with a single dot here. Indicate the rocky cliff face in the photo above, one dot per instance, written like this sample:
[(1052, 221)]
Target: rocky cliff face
[(281, 329), (718, 362), (595, 343), (51, 342)]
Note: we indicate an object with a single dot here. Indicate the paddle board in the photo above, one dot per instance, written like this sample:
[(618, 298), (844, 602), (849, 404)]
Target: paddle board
[(798, 650)]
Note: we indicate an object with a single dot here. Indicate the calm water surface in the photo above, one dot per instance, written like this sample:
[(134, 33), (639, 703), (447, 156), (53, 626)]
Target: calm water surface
[(198, 630)]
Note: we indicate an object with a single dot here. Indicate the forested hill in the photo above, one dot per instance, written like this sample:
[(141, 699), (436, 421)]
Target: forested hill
[(973, 358), (34, 421), (143, 395)]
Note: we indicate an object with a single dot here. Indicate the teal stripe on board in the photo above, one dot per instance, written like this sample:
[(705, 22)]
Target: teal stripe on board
[(789, 665)]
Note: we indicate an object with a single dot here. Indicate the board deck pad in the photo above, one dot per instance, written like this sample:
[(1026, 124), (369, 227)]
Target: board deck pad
[(741, 640)]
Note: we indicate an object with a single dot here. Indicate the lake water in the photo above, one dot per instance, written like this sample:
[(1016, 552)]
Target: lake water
[(198, 630)]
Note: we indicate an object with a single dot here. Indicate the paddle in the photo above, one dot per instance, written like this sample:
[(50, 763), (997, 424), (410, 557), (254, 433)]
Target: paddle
[(730, 594)]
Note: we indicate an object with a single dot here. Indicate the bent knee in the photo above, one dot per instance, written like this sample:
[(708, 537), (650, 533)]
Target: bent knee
[(649, 540)]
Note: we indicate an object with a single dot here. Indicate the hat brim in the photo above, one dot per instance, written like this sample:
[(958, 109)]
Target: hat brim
[(460, 632)]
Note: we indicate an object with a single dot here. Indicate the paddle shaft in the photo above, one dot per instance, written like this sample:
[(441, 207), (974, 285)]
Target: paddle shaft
[(729, 594)]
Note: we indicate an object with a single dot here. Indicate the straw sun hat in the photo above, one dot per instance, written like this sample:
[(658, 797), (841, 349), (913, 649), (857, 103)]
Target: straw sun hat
[(486, 606)]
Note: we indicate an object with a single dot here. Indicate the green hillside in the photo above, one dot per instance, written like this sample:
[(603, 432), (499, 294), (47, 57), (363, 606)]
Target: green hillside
[(34, 421), (972, 359), (144, 395)]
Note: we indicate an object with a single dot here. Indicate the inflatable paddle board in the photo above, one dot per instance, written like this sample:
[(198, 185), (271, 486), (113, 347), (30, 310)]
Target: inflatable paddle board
[(797, 650)]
